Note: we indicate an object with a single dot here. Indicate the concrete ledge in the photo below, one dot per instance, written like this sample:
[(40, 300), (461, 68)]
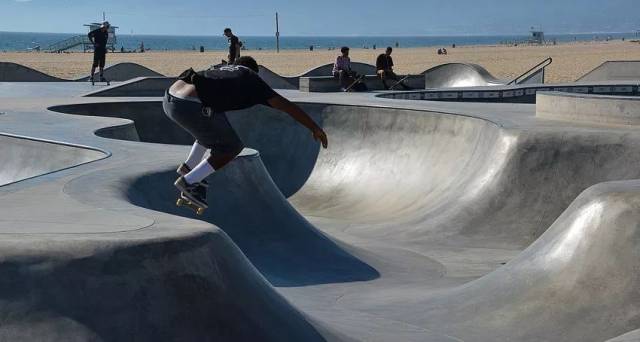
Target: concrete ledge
[(614, 110), (327, 84)]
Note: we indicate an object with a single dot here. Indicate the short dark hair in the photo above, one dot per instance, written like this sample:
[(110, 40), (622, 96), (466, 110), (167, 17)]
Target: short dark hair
[(389, 48), (227, 30), (248, 62), (344, 49)]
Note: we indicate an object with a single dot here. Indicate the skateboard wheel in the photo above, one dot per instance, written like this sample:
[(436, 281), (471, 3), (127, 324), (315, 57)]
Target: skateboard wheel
[(200, 211), (179, 202)]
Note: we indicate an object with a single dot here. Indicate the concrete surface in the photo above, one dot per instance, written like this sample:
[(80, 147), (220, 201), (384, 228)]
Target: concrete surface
[(12, 72), (614, 110), (423, 221), (613, 71), (136, 87)]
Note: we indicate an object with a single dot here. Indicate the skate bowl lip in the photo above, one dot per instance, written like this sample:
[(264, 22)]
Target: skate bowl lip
[(590, 108), (104, 154)]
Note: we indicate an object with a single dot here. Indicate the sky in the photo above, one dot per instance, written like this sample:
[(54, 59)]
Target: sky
[(324, 17)]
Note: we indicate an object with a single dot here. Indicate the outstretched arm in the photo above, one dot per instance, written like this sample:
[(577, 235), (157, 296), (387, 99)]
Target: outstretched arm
[(280, 103)]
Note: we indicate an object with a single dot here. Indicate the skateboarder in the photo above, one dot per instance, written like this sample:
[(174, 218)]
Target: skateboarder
[(342, 70), (234, 46), (98, 38), (198, 102), (384, 68)]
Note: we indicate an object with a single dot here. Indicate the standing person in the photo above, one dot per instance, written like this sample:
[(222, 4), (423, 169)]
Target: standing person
[(198, 101), (234, 46), (384, 68), (342, 69), (99, 38)]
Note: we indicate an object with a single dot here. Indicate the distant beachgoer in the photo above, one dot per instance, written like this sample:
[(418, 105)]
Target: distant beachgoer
[(444, 51), (342, 69), (384, 68), (397, 44), (197, 102), (99, 38), (453, 46), (439, 51), (234, 46)]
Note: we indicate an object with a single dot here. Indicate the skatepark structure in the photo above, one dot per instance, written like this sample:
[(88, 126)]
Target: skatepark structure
[(613, 71), (422, 221), (12, 72)]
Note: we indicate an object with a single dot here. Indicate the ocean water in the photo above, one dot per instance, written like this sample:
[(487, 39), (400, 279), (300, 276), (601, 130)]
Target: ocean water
[(22, 41)]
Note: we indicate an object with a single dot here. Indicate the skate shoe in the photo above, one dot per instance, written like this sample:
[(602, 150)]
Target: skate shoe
[(183, 169), (196, 193)]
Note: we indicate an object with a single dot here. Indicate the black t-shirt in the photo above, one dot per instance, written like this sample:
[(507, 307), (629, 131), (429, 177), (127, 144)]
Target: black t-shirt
[(100, 38), (233, 46), (384, 62), (232, 87)]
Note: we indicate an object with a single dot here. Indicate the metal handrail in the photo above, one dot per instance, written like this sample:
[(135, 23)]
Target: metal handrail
[(542, 65)]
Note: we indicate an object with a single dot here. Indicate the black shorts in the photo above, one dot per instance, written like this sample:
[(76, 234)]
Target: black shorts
[(213, 132), (99, 57)]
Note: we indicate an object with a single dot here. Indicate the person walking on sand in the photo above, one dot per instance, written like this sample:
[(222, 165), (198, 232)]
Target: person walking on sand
[(99, 38), (197, 102), (234, 46)]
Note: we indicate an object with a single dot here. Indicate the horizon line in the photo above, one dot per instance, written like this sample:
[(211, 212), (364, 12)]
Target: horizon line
[(344, 35)]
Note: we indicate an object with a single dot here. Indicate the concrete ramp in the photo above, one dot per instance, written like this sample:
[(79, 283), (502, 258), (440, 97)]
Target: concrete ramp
[(456, 75), (12, 72), (613, 71), (24, 157), (125, 71), (577, 282)]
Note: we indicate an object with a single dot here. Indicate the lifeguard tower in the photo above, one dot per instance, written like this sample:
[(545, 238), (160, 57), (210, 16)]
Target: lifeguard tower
[(83, 40), (537, 37)]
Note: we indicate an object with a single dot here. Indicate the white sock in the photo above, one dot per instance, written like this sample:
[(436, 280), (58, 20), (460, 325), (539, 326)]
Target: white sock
[(196, 155), (200, 172)]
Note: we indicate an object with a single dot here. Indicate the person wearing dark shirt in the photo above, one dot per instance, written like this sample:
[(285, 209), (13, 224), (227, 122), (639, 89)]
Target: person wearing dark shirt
[(99, 38), (197, 102), (384, 68), (234, 46)]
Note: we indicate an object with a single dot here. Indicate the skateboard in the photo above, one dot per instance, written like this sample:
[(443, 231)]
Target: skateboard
[(93, 82), (399, 82), (357, 81), (184, 201)]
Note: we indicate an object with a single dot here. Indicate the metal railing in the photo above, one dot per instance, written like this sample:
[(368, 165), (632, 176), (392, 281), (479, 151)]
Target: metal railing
[(539, 66)]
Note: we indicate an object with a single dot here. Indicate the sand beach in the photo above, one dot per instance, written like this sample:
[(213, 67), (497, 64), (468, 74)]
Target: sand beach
[(570, 60)]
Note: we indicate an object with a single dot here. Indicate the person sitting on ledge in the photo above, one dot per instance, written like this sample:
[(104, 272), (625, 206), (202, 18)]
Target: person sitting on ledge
[(197, 102), (342, 70), (384, 69)]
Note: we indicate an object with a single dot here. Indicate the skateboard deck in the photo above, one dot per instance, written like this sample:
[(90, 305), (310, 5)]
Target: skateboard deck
[(357, 81), (184, 201), (93, 82), (399, 82)]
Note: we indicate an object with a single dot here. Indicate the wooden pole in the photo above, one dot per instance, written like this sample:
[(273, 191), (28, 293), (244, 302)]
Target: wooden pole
[(277, 34)]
